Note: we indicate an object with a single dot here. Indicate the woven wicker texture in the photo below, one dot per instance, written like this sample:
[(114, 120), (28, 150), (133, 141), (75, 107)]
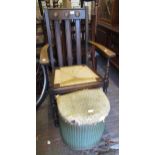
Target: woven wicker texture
[(83, 107), (72, 75)]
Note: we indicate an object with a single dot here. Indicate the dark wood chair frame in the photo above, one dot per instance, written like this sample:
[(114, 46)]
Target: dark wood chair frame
[(55, 15)]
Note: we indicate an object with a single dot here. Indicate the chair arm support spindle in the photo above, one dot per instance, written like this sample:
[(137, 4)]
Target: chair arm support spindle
[(106, 76), (108, 54)]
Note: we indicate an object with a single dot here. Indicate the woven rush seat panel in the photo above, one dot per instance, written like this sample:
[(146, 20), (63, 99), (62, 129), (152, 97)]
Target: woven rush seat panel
[(83, 107), (72, 75)]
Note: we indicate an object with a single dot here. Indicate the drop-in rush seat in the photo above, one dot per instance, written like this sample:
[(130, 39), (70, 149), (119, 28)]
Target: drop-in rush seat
[(72, 81)]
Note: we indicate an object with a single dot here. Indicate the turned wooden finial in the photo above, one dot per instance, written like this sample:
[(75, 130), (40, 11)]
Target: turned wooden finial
[(56, 14), (77, 13), (66, 14)]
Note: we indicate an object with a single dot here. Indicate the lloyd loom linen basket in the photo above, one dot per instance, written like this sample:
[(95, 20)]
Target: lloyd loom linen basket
[(81, 116)]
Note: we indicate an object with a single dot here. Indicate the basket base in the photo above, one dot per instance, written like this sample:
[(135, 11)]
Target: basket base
[(82, 137)]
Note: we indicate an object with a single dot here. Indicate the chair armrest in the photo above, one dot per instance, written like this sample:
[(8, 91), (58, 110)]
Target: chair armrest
[(105, 51), (44, 59)]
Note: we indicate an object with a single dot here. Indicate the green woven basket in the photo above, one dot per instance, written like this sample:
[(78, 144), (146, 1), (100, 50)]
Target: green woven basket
[(81, 117), (81, 137)]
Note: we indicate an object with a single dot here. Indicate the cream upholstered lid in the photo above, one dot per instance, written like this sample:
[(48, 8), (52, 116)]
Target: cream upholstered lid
[(71, 75), (83, 107)]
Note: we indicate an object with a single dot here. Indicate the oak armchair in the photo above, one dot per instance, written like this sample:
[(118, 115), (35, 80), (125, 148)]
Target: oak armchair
[(68, 56)]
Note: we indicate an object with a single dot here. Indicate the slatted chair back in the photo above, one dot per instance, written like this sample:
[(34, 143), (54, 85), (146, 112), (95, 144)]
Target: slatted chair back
[(65, 36)]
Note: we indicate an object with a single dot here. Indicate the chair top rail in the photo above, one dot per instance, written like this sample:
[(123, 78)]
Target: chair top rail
[(64, 14)]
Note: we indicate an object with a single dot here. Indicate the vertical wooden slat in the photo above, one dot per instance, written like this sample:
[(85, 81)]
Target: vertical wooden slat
[(68, 42), (78, 41), (63, 40), (58, 42), (86, 40), (93, 27), (49, 38)]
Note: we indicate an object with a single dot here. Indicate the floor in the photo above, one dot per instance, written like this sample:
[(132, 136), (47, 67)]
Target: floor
[(48, 137)]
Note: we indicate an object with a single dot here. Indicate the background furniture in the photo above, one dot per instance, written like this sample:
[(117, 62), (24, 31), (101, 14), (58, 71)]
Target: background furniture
[(108, 26), (55, 3), (92, 27), (41, 38)]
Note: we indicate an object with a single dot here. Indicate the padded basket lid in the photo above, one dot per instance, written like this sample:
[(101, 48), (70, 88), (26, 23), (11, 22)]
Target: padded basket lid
[(83, 107)]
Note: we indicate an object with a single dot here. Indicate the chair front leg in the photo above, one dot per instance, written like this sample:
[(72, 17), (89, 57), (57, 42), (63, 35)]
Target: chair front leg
[(54, 109)]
